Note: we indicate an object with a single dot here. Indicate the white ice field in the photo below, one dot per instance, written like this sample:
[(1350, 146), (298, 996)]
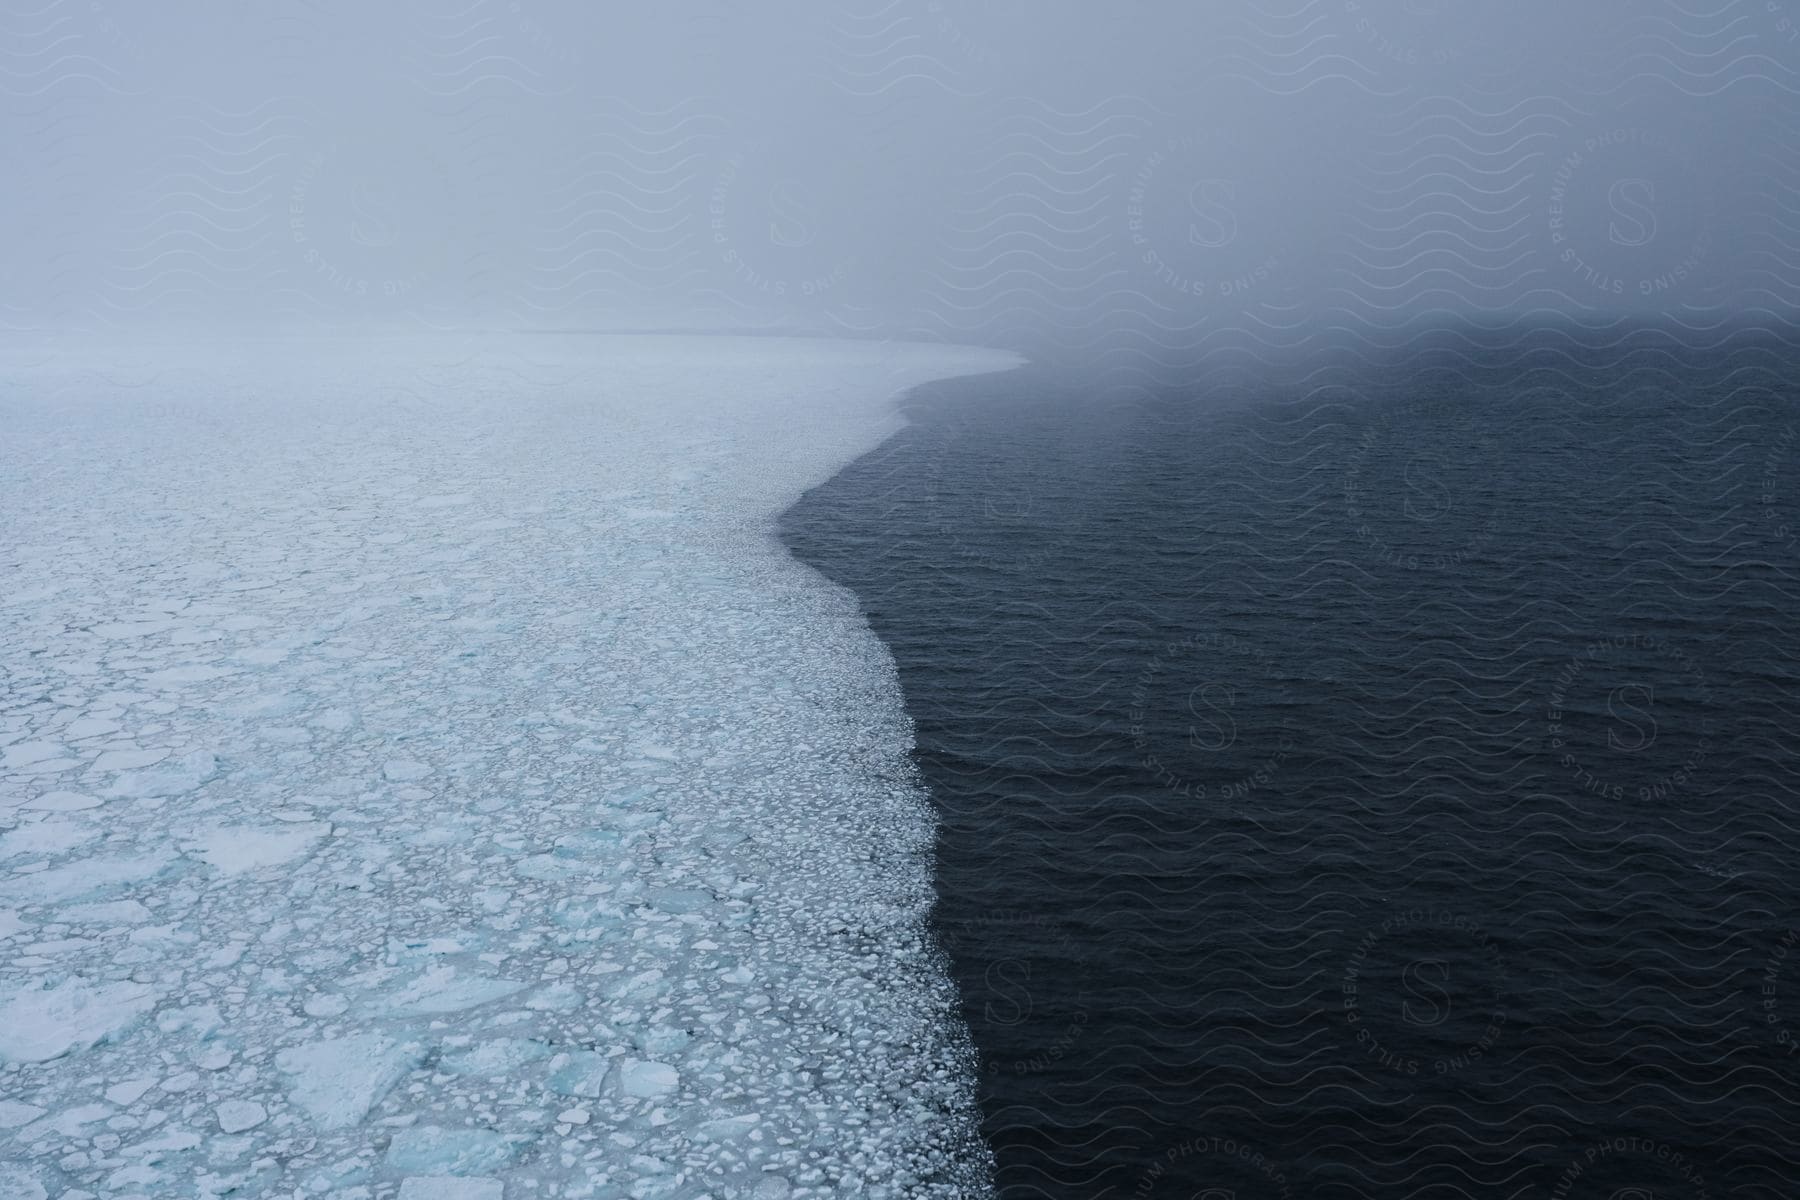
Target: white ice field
[(423, 774)]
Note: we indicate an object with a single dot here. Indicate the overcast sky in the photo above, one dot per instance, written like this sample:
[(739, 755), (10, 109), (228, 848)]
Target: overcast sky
[(1005, 171)]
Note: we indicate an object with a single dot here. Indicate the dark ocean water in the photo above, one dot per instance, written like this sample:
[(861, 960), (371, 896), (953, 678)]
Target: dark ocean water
[(1378, 781)]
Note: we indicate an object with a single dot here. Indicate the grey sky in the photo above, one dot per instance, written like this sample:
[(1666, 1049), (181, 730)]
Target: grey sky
[(1140, 173)]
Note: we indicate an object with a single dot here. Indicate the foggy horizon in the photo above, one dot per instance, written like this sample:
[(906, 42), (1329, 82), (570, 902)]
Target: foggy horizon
[(1137, 180)]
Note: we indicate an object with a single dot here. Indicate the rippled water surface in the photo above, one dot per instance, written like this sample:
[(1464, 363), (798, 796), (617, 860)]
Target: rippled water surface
[(1377, 784)]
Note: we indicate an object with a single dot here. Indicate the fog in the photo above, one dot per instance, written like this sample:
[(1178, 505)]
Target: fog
[(1141, 176)]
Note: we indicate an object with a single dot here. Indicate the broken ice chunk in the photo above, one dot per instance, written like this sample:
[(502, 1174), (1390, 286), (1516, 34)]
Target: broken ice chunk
[(496, 1057), (166, 779), (38, 1024), (337, 1081), (129, 760), (80, 879), (13, 1114), (583, 1074), (46, 837), (126, 1094), (444, 1151), (439, 990), (116, 912), (235, 1116), (62, 802), (646, 1079), (20, 1181), (235, 849), (448, 1187), (26, 753)]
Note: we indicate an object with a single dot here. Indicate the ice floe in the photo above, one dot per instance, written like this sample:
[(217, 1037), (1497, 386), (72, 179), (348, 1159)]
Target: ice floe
[(424, 774), (39, 1023)]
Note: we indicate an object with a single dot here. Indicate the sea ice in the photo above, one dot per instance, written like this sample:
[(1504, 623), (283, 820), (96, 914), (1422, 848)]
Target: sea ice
[(436, 1150), (21, 1181), (41, 1023), (127, 1093), (126, 760), (63, 802), (583, 1074), (84, 878), (116, 912), (235, 1116), (46, 837), (423, 769), (234, 849), (443, 990), (647, 1079), (335, 1082), (169, 778), (500, 1056), (26, 754), (13, 1114), (446, 1187)]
